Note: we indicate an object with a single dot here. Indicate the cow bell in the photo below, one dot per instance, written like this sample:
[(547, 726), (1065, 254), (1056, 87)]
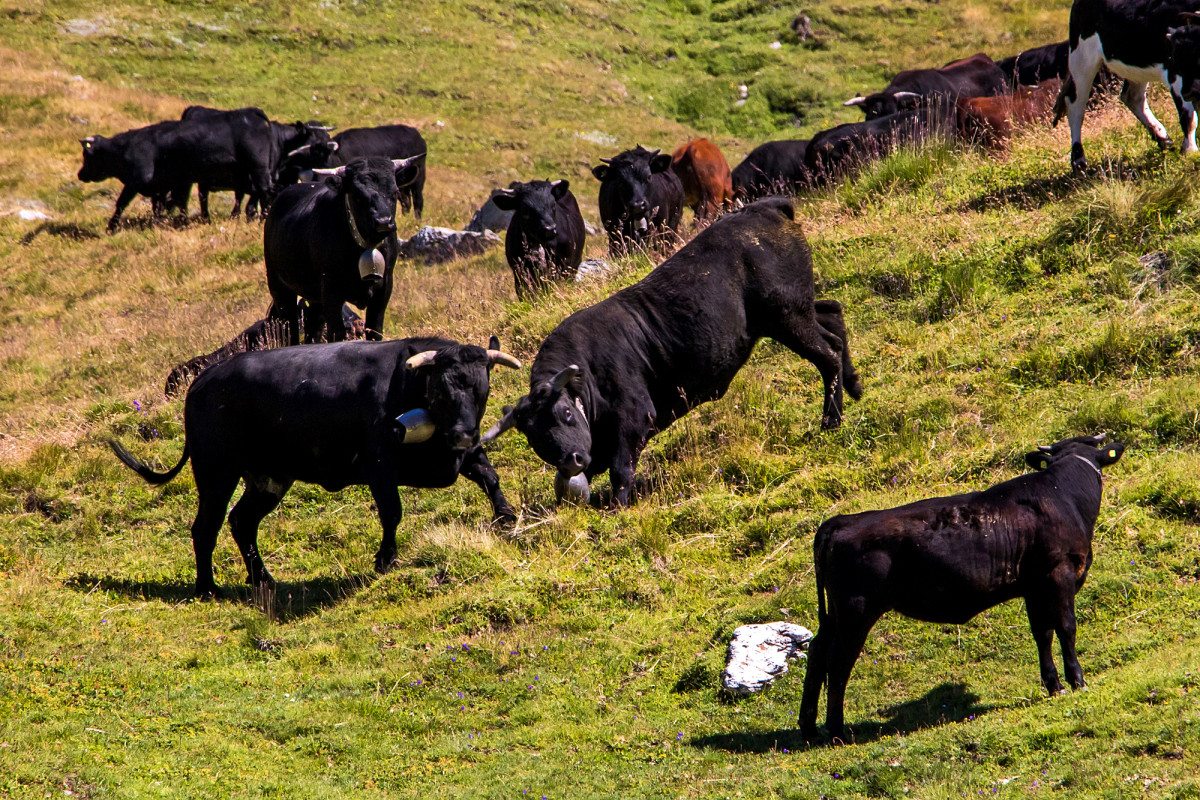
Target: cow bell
[(572, 489), (371, 265), (417, 426)]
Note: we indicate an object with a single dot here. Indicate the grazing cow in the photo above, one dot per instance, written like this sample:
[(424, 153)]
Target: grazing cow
[(977, 76), (704, 174), (286, 139), (772, 168), (1031, 67), (266, 334), (385, 141), (132, 158), (989, 121), (1138, 41), (840, 151), (333, 242), (545, 236), (610, 376), (641, 200), (949, 558), (336, 415)]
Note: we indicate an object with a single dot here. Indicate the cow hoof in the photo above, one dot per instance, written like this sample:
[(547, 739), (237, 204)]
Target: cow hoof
[(384, 562), (209, 593), (505, 519), (1165, 144)]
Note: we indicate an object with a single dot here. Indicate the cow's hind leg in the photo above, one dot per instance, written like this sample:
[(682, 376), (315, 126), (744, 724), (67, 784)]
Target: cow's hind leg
[(1187, 117), (261, 497), (213, 492), (477, 468), (387, 500), (1133, 95), (1083, 64), (844, 649), (1067, 580), (1041, 623), (805, 336), (829, 314)]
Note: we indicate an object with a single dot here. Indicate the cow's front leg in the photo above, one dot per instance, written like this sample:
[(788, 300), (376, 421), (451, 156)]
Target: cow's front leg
[(631, 440), (260, 498), (123, 200), (373, 313), (1063, 608), (477, 468), (331, 311), (1187, 118), (387, 500), (1041, 623)]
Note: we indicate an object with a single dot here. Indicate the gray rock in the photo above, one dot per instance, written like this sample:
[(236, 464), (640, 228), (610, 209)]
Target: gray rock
[(591, 269), (758, 654), (435, 245), (489, 218)]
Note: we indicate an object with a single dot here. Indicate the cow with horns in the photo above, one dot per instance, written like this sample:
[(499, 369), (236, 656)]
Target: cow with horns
[(641, 199)]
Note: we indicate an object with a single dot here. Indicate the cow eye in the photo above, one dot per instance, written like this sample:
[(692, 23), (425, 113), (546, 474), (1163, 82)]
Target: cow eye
[(568, 417)]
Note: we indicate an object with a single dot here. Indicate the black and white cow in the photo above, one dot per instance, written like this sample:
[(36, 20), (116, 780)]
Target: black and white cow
[(1140, 41)]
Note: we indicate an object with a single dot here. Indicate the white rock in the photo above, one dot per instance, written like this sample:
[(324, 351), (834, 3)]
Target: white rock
[(490, 218), (597, 137), (592, 268), (30, 214), (435, 245), (775, 45), (758, 654)]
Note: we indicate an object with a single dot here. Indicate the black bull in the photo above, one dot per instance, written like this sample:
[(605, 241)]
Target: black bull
[(610, 376), (336, 415), (947, 559)]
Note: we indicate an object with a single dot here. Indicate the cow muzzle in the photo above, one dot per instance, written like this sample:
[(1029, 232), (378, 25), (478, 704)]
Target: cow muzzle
[(574, 464)]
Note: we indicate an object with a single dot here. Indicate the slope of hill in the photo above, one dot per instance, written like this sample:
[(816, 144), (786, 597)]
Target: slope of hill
[(993, 304)]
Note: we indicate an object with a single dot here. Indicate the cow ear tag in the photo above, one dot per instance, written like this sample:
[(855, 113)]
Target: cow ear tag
[(1112, 453), (371, 264)]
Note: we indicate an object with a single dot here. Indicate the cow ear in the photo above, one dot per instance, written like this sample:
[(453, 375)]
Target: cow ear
[(493, 342), (1037, 460), (660, 163), (1111, 454), (600, 170), (505, 200), (559, 189)]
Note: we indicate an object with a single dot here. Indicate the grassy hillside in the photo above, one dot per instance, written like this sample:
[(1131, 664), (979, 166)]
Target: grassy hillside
[(993, 304)]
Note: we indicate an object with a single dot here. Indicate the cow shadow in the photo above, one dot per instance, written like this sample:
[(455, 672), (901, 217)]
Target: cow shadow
[(66, 230), (941, 705), (288, 602)]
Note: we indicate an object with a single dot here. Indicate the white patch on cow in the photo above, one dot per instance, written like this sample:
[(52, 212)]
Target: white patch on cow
[(1136, 74), (1189, 135), (1083, 62), (1134, 98)]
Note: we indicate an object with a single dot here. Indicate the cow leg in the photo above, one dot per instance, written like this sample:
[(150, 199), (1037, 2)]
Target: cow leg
[(1083, 63), (284, 307), (213, 492), (335, 326), (637, 420), (237, 206), (373, 313), (804, 336), (405, 200), (1133, 95), (314, 323), (477, 468), (418, 200), (1067, 582), (816, 673), (850, 636), (1187, 117), (1041, 623), (829, 315), (123, 200), (387, 500), (202, 192), (261, 497)]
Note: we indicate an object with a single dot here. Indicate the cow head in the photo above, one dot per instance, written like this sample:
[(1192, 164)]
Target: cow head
[(100, 160), (553, 419), (884, 103), (1089, 448), (456, 392), (1183, 56), (369, 188), (533, 205), (630, 173)]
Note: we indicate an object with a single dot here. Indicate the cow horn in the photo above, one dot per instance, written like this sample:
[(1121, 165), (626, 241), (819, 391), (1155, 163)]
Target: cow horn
[(904, 95), (400, 163), (421, 359), (507, 421), (1045, 448), (321, 127), (653, 153), (300, 150), (1099, 437), (330, 171), (334, 146), (563, 377), (1189, 16), (606, 161), (502, 358), (855, 101)]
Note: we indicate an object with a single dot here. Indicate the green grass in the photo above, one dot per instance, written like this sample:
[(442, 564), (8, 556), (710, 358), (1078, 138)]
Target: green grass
[(993, 305)]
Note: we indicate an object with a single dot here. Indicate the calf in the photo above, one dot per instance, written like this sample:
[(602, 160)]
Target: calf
[(133, 158), (989, 121), (379, 414), (772, 168), (610, 376), (949, 558), (545, 236), (976, 76), (334, 242), (641, 199), (1138, 41), (704, 174)]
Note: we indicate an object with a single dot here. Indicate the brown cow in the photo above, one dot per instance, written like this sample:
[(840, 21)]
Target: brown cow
[(704, 173), (989, 121)]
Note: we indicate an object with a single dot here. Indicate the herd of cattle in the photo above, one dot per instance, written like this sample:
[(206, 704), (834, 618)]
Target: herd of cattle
[(607, 378)]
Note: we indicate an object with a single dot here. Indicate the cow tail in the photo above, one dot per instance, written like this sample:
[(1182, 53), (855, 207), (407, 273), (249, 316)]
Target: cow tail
[(1060, 103), (157, 478)]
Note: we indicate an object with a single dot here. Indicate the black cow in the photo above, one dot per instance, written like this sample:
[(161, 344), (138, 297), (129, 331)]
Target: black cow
[(385, 141), (287, 137), (610, 376), (772, 168), (840, 151), (266, 334), (940, 88), (641, 199), (336, 415), (949, 558), (545, 236), (333, 242), (1138, 41), (132, 158), (1031, 67)]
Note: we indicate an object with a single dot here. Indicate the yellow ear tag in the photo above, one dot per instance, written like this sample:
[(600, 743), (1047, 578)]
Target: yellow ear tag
[(1112, 453)]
